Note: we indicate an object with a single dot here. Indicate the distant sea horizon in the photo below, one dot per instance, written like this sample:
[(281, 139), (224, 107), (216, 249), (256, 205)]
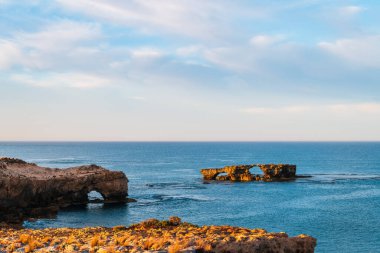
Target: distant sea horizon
[(187, 141)]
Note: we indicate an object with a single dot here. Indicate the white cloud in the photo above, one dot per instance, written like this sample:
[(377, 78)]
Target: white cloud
[(285, 109), (266, 40), (363, 51), (146, 53), (235, 59), (10, 54), (138, 98), (253, 57), (48, 46), (355, 108), (3, 2), (58, 36), (189, 50), (350, 10), (73, 80), (358, 108), (198, 19)]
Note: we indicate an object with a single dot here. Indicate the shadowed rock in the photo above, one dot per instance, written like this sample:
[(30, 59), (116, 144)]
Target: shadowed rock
[(241, 173), (31, 191)]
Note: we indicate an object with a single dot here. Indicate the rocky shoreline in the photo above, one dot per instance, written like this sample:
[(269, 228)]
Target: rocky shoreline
[(154, 236), (30, 191)]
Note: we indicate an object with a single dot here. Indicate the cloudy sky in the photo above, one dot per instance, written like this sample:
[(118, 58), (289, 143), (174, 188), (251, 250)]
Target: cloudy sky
[(216, 70)]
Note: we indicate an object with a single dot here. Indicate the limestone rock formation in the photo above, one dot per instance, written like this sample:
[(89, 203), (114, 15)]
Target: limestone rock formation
[(241, 173), (155, 236), (31, 191)]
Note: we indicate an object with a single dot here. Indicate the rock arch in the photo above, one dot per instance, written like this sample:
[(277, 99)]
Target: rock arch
[(28, 190), (271, 172)]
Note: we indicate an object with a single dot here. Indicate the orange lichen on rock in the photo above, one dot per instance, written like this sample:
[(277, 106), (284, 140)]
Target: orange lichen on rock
[(241, 173), (151, 236)]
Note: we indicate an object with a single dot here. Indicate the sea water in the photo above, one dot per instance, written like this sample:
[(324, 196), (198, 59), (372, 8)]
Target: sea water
[(339, 204)]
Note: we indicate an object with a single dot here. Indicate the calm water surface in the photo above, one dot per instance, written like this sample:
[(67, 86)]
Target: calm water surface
[(339, 204)]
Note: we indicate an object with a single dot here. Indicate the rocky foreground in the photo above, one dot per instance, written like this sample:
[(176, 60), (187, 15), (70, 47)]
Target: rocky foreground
[(152, 236), (31, 191)]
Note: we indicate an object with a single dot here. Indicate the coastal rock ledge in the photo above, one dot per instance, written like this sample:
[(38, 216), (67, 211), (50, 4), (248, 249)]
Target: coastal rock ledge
[(241, 173), (30, 191), (168, 236)]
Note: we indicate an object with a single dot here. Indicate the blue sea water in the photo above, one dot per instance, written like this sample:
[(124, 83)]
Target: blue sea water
[(339, 204)]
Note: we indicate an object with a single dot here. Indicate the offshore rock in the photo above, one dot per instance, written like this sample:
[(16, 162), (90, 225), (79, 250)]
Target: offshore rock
[(241, 173), (30, 191)]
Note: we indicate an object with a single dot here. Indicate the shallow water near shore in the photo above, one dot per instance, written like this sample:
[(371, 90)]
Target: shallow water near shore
[(339, 204)]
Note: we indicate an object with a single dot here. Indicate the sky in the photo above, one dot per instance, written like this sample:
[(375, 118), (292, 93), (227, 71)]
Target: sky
[(189, 70)]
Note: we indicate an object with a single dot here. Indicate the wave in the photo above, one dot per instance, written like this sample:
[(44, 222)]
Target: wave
[(316, 201), (370, 193), (333, 178), (158, 199), (184, 186), (183, 170), (222, 160), (146, 163), (62, 160)]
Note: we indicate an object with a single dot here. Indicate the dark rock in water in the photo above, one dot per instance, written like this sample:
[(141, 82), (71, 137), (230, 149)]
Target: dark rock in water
[(241, 173), (30, 191)]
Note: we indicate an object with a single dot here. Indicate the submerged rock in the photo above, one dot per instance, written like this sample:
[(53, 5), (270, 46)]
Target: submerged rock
[(241, 173), (30, 191), (153, 235)]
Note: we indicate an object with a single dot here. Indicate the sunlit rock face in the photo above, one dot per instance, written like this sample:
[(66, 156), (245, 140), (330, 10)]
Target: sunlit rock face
[(152, 235), (241, 173), (30, 191)]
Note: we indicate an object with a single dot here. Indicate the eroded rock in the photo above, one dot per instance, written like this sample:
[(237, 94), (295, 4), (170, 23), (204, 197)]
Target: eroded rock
[(154, 235), (241, 173), (30, 191)]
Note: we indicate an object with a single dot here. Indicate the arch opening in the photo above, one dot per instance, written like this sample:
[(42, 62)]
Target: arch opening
[(256, 171), (95, 197), (222, 176)]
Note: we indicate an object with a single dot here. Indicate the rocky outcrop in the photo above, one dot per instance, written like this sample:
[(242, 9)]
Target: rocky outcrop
[(241, 173), (31, 191), (154, 236)]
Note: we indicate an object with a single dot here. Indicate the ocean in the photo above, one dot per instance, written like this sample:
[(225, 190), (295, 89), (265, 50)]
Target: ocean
[(339, 204)]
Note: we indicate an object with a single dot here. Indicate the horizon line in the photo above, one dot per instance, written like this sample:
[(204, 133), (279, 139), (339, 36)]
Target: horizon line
[(177, 141)]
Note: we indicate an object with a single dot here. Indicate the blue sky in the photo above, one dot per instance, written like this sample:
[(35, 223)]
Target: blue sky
[(190, 70)]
